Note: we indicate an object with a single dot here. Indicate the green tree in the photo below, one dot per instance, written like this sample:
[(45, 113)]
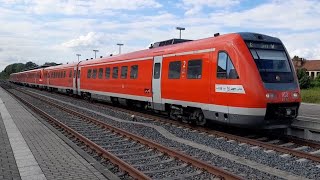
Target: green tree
[(16, 67), (304, 79)]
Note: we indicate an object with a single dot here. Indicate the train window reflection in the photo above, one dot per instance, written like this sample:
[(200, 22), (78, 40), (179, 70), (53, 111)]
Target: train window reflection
[(194, 69), (174, 70), (134, 72), (124, 72), (115, 72), (100, 73)]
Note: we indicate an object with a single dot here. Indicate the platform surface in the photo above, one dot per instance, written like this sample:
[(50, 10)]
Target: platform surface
[(30, 150)]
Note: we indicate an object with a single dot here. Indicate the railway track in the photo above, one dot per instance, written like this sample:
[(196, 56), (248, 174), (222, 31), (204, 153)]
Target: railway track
[(137, 156), (287, 145)]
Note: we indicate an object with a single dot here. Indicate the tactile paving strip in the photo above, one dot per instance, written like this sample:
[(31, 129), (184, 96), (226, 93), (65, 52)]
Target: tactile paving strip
[(56, 159), (8, 166)]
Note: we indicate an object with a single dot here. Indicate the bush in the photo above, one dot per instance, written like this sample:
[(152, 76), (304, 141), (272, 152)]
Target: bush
[(304, 79)]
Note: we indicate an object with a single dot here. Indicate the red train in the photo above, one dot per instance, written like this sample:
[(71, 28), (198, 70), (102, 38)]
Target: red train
[(241, 79)]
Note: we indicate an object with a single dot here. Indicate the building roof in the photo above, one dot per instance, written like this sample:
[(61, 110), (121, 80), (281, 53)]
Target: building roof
[(310, 65)]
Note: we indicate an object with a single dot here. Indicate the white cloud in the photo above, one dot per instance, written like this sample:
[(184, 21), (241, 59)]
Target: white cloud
[(196, 6), (46, 34), (92, 39), (293, 15), (80, 7)]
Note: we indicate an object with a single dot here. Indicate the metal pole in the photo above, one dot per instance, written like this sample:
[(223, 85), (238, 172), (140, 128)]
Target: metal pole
[(78, 56), (120, 44), (95, 53), (180, 29)]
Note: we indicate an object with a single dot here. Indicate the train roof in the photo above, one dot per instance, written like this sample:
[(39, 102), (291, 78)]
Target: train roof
[(169, 49), (185, 45), (62, 66)]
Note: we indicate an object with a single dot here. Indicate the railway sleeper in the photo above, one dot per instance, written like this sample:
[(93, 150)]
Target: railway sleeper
[(134, 153), (183, 165), (131, 148), (146, 157), (154, 163), (184, 176)]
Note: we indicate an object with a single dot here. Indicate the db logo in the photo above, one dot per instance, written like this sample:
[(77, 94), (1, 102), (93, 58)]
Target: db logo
[(147, 91), (285, 94)]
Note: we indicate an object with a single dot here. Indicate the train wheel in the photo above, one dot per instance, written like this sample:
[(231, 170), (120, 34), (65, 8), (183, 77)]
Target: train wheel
[(200, 119)]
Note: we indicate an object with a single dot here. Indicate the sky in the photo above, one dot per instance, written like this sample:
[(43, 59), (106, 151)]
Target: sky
[(56, 30)]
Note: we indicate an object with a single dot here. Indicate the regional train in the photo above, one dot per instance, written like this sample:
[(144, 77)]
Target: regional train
[(240, 79)]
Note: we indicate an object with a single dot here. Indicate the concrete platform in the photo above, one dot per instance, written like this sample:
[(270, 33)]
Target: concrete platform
[(31, 150)]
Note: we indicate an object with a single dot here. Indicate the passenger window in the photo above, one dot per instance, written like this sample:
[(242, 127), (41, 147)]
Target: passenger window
[(134, 72), (89, 74), (174, 70), (94, 73), (70, 74), (225, 69), (124, 72), (156, 73), (231, 71), (108, 73), (222, 65), (64, 74), (115, 72), (100, 73), (194, 69)]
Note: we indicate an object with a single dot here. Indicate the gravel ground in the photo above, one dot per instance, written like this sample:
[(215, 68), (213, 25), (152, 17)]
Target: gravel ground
[(150, 133), (306, 169), (91, 131)]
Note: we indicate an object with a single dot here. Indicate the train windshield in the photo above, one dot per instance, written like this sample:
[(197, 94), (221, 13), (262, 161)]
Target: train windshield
[(272, 62)]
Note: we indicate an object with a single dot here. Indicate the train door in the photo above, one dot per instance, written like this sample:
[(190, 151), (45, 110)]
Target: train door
[(220, 87), (156, 84), (74, 87), (78, 81)]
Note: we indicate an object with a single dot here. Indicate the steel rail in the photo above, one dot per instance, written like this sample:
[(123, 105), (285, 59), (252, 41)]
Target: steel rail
[(186, 158), (104, 153), (241, 139)]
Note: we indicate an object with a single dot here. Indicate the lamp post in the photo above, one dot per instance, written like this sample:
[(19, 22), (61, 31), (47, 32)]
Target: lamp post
[(78, 56), (180, 29), (95, 53), (120, 44)]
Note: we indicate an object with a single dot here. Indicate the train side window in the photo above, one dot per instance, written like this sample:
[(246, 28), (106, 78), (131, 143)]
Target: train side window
[(64, 74), (156, 73), (89, 74), (134, 72), (115, 72), (174, 70), (225, 69), (107, 73), (94, 73), (231, 71), (70, 74), (222, 65), (124, 72), (79, 74), (194, 70), (100, 73)]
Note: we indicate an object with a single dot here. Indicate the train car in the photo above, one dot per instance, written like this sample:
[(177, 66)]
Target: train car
[(239, 79), (32, 78), (60, 78)]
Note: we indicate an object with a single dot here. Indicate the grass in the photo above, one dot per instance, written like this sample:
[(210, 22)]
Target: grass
[(311, 95)]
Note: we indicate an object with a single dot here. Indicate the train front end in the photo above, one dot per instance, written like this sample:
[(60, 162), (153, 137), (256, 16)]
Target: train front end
[(281, 87)]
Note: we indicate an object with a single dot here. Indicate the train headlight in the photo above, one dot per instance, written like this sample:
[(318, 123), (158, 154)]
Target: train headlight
[(270, 95), (295, 95)]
